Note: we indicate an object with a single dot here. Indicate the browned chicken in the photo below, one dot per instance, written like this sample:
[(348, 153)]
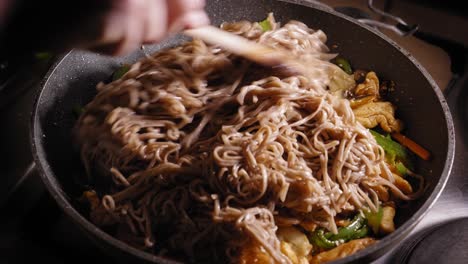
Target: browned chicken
[(368, 108), (387, 225), (373, 114), (294, 244), (342, 250), (253, 253), (402, 184)]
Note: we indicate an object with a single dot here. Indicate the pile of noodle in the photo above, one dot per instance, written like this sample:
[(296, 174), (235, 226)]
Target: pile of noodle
[(197, 150)]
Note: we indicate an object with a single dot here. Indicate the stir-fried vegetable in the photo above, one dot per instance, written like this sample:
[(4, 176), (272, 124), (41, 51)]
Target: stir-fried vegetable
[(413, 146), (319, 239), (392, 149), (265, 24), (374, 219), (356, 229), (120, 72), (401, 168), (344, 65), (340, 82), (351, 231), (395, 154), (342, 250)]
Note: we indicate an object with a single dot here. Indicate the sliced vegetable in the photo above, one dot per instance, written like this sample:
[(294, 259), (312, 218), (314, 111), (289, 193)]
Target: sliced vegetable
[(360, 233), (391, 148), (402, 184), (265, 24), (318, 239), (344, 65), (120, 72), (341, 83), (413, 146), (348, 233), (374, 219), (356, 229), (394, 152), (401, 168)]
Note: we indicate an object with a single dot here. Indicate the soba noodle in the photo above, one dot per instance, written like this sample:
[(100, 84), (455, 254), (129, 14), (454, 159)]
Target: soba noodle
[(196, 151)]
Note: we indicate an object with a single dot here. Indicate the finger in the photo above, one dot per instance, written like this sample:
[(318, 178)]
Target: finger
[(156, 23), (189, 20), (135, 26), (178, 9), (114, 20), (195, 19)]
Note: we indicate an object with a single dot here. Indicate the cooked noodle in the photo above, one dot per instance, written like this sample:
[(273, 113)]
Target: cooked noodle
[(200, 149)]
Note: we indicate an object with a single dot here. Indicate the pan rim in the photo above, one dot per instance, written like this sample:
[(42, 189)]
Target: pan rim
[(400, 233), (60, 196)]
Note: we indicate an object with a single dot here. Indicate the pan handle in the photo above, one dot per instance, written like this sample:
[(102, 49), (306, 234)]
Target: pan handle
[(395, 23), (400, 29)]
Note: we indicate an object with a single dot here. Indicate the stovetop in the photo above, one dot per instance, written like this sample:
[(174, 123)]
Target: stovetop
[(32, 226)]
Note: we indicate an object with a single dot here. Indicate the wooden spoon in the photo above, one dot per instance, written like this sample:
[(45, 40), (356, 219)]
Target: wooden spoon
[(280, 60)]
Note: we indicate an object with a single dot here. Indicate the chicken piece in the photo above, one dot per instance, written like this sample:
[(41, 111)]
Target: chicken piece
[(288, 250), (254, 253), (370, 86), (387, 225), (342, 250), (402, 184), (382, 192), (378, 113), (366, 92), (294, 244), (355, 103)]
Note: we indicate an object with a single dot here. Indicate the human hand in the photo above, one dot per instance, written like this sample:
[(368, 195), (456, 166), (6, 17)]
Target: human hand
[(114, 27), (131, 23)]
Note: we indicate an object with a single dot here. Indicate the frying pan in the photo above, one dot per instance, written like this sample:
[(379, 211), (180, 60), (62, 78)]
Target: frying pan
[(420, 104)]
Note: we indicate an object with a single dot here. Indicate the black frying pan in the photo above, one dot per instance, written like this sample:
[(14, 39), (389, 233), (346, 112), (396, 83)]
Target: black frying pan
[(420, 104)]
